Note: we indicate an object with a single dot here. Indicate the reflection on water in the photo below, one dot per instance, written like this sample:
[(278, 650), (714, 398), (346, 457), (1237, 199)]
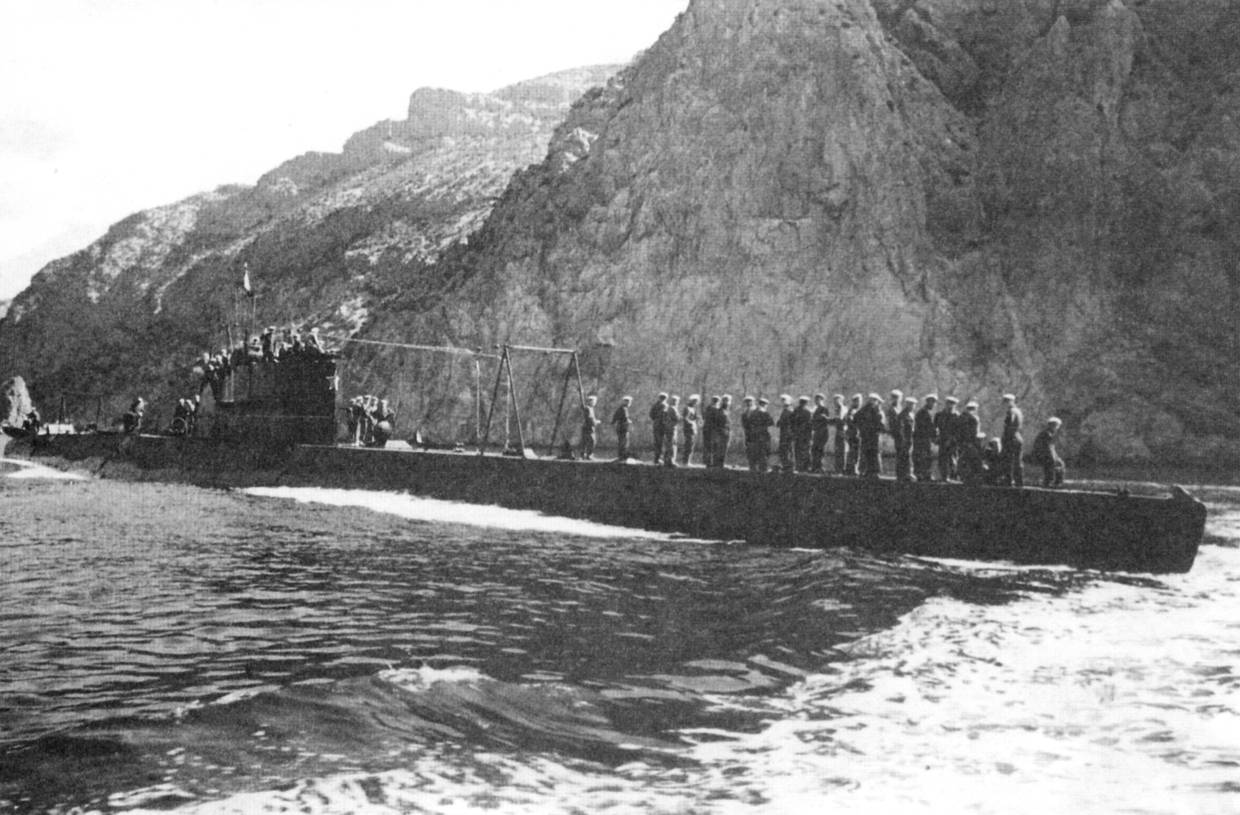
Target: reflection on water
[(327, 651)]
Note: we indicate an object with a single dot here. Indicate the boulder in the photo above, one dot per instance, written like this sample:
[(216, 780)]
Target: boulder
[(14, 402)]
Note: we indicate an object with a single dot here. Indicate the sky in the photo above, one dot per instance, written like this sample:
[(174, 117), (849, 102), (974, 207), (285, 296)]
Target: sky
[(108, 107)]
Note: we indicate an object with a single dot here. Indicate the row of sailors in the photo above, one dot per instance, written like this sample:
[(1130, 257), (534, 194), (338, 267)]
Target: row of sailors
[(266, 347), (963, 453), (185, 416), (371, 421)]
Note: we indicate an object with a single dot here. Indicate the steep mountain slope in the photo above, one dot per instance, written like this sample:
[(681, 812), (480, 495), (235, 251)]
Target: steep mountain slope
[(962, 196), (969, 196), (324, 235)]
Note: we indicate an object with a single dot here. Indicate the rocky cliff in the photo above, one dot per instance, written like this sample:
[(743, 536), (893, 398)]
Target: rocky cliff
[(961, 196), (326, 237), (967, 196)]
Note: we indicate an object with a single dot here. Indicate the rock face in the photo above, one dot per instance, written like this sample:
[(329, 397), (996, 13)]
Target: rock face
[(965, 196), (15, 402), (326, 237)]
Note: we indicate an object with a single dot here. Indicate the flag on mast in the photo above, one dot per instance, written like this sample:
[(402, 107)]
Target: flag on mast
[(245, 282)]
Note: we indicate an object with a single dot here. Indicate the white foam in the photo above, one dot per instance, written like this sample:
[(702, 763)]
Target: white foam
[(29, 469), (430, 509), (425, 676)]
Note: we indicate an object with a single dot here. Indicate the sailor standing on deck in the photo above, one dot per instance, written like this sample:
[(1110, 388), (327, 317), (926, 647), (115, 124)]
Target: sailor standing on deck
[(839, 420), (852, 435), (131, 422), (267, 343), (709, 421), (870, 423), (589, 427), (623, 423), (969, 442), (658, 418), (802, 434), (1044, 453), (903, 434), (748, 410), (689, 421), (820, 429), (945, 422), (1013, 471), (890, 412), (756, 423), (784, 423), (924, 435), (671, 424), (723, 431)]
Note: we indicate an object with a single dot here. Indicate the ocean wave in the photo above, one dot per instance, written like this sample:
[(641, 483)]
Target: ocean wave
[(1114, 696)]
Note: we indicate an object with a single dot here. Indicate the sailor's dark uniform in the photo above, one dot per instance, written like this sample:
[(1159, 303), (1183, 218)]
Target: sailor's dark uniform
[(757, 425), (870, 425), (622, 422), (1012, 467), (1045, 454), (924, 436), (970, 447), (688, 432), (671, 423), (785, 439), (721, 435), (903, 435), (708, 433), (949, 449), (802, 425), (658, 416), (840, 423), (821, 430), (589, 431), (852, 436)]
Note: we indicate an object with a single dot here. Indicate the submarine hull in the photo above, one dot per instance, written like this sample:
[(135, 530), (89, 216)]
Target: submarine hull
[(1093, 530)]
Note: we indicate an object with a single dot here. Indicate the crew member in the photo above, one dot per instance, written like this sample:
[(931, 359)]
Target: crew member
[(689, 421), (383, 424), (870, 424), (33, 421), (820, 429), (802, 424), (891, 412), (924, 435), (709, 422), (267, 342), (756, 424), (784, 423), (903, 435), (840, 422), (131, 422), (748, 411), (992, 463), (723, 430), (671, 424), (1013, 471), (658, 416), (623, 423), (1044, 454), (945, 422), (852, 434), (969, 444), (589, 427)]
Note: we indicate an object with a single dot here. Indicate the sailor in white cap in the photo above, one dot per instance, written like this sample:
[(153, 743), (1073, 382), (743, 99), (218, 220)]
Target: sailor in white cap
[(1013, 471)]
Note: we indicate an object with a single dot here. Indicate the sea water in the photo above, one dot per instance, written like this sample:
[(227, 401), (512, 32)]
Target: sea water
[(174, 648)]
